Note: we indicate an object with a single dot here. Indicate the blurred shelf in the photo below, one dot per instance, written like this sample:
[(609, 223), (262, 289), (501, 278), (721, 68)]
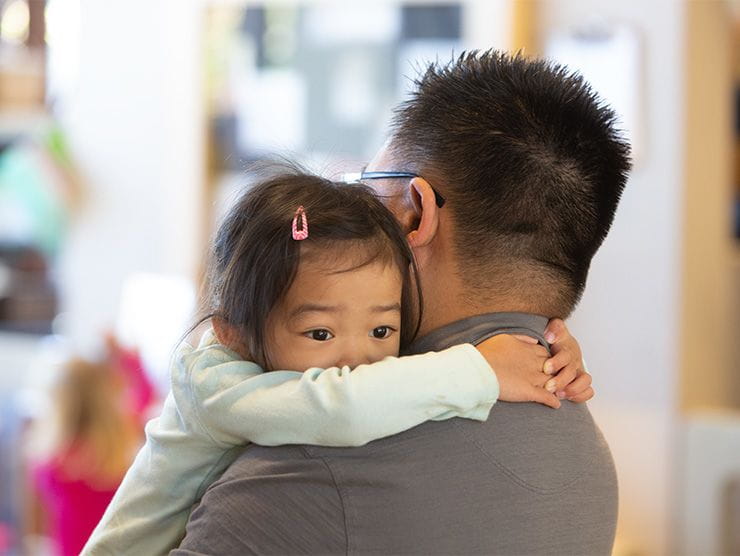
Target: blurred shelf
[(31, 327)]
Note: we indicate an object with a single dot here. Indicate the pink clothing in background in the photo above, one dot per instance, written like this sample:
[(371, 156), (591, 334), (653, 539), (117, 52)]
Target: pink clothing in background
[(140, 393), (73, 507)]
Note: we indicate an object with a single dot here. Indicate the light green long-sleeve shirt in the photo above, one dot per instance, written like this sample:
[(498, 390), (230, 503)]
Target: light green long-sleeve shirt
[(218, 403)]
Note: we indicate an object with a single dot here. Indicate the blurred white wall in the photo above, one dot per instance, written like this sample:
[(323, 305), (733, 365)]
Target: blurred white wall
[(134, 119), (628, 321)]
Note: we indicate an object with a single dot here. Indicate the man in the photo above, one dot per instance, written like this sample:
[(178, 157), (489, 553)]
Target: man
[(506, 173)]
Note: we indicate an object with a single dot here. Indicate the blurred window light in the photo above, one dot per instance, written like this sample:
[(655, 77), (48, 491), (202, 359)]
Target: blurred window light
[(353, 99), (267, 131), (15, 23), (154, 311), (63, 47), (414, 56), (337, 24)]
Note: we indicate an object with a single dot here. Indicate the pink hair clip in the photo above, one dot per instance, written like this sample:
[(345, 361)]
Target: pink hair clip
[(302, 233)]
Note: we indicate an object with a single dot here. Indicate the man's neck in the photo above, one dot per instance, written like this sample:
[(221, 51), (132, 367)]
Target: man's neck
[(443, 309), (447, 299), (449, 296)]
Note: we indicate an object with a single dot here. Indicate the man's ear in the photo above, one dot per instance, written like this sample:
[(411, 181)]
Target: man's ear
[(228, 335), (427, 213)]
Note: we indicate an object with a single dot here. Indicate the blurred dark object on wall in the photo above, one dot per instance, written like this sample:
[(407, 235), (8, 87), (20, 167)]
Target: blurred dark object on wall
[(28, 299), (731, 517), (226, 144), (431, 22), (10, 475)]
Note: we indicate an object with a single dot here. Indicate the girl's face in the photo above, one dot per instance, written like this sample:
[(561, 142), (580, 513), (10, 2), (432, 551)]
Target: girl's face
[(336, 319)]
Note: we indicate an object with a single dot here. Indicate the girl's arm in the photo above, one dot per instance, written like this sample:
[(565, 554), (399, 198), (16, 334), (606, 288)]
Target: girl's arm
[(336, 407), (178, 461)]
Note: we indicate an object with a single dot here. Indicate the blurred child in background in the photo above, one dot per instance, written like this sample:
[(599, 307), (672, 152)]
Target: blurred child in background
[(89, 442)]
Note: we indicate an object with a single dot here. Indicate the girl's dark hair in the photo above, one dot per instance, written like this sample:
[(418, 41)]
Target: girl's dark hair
[(255, 258)]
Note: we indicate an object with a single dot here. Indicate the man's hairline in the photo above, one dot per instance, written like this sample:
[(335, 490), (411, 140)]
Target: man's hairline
[(464, 266)]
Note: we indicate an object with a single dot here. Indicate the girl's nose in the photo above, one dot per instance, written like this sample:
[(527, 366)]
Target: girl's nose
[(352, 362), (353, 355)]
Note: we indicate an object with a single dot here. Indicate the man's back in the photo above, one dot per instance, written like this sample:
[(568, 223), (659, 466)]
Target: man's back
[(530, 480)]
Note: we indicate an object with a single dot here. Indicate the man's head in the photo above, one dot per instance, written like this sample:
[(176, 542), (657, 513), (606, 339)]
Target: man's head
[(531, 167)]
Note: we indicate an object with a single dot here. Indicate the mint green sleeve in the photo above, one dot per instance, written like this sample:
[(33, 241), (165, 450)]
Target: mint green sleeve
[(178, 461), (336, 407)]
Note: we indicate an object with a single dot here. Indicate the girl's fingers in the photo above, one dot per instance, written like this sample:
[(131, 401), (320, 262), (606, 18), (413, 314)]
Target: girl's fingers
[(579, 385), (539, 380), (544, 397), (557, 362), (584, 396), (554, 330), (560, 382)]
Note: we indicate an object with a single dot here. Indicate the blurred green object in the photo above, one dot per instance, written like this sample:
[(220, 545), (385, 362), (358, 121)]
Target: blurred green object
[(56, 144), (32, 198)]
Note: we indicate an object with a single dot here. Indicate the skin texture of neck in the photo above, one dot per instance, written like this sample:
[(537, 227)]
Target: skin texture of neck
[(447, 298), (441, 289)]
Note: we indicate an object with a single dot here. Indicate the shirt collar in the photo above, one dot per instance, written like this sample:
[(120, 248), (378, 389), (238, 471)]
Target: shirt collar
[(475, 329)]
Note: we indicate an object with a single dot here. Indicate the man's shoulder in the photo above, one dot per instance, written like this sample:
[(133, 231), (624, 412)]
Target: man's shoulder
[(270, 500), (391, 494), (278, 466)]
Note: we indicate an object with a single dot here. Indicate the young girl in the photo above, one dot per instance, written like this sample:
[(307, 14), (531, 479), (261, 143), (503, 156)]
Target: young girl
[(305, 274), (93, 441)]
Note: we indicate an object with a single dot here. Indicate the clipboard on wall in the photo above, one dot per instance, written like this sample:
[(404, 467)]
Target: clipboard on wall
[(609, 58)]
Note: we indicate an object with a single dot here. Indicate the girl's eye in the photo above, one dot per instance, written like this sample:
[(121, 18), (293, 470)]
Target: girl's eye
[(382, 332), (320, 335)]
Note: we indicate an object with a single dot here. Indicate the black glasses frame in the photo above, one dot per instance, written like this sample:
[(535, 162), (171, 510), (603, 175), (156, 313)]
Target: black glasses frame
[(389, 175)]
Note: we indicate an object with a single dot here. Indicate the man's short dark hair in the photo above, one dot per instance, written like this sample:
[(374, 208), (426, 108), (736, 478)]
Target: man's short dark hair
[(530, 160)]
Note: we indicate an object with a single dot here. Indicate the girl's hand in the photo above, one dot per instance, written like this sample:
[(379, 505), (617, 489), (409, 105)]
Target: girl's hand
[(569, 378), (518, 362)]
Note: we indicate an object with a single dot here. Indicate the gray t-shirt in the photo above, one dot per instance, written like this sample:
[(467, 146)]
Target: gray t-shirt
[(530, 480)]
